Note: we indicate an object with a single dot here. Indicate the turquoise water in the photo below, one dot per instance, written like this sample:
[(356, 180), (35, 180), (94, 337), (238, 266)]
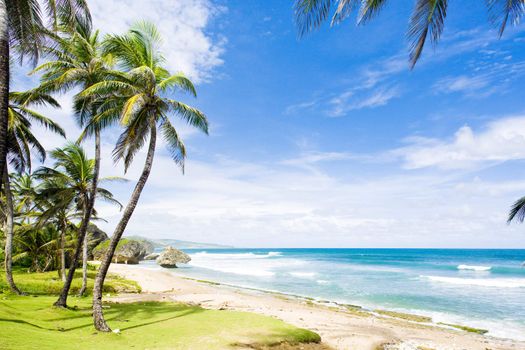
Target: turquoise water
[(479, 288)]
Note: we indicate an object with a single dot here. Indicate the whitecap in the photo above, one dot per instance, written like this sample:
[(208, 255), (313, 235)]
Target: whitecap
[(474, 267), (481, 282), (301, 274), (323, 282)]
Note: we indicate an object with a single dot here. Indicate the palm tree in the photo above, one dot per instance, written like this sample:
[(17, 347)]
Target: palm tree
[(138, 99), (427, 20), (68, 184), (20, 140), (22, 28), (78, 62), (517, 211)]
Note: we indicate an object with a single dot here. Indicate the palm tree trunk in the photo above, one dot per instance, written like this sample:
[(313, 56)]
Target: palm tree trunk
[(63, 251), (62, 299), (98, 316), (9, 226), (4, 84), (84, 266), (92, 197)]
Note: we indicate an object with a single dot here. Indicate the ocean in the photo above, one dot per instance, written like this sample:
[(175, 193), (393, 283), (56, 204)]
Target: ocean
[(473, 287)]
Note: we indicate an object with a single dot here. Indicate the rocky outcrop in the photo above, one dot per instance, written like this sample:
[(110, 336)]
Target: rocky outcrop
[(128, 251), (170, 257), (95, 237), (152, 256)]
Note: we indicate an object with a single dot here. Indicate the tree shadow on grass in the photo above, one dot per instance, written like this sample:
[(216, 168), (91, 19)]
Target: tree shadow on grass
[(122, 313)]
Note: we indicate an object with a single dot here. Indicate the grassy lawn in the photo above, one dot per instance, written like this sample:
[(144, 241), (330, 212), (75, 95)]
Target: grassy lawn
[(30, 322), (45, 283)]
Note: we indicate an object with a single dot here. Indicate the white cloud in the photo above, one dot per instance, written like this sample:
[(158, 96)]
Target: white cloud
[(354, 100), (499, 141), (460, 83), (276, 205), (188, 46)]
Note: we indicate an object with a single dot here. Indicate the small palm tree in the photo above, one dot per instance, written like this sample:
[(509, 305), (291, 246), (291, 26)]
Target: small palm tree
[(427, 20), (78, 62), (20, 141), (138, 99), (67, 184), (22, 28)]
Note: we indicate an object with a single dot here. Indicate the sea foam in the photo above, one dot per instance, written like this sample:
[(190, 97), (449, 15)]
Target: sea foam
[(481, 282), (474, 267)]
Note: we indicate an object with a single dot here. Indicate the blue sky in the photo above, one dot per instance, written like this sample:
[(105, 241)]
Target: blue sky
[(331, 140)]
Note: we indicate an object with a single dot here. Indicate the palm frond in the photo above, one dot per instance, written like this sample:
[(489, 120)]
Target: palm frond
[(517, 211), (502, 12), (428, 18)]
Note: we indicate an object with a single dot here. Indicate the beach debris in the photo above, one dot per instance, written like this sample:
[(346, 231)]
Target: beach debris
[(170, 257)]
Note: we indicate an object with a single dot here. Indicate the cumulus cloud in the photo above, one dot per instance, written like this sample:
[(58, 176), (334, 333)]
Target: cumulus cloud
[(499, 141), (253, 204), (188, 46)]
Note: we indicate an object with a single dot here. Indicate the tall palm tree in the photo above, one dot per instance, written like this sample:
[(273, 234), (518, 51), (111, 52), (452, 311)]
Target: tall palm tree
[(21, 29), (78, 62), (138, 99), (20, 141), (68, 184), (427, 20)]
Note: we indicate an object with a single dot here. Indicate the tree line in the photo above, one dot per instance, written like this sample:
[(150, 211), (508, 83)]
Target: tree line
[(120, 80)]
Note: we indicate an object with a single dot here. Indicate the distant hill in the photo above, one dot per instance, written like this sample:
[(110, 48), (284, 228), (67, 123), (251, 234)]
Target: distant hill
[(175, 243)]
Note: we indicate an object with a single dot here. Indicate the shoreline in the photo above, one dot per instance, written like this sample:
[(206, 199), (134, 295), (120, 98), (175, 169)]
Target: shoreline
[(340, 326)]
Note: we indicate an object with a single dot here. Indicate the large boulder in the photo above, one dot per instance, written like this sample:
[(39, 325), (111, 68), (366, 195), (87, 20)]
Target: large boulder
[(170, 257), (128, 251)]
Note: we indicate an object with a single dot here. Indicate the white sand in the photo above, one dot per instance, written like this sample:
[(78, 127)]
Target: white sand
[(337, 328)]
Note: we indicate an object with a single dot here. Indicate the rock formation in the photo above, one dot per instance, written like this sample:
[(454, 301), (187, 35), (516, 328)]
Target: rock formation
[(170, 257)]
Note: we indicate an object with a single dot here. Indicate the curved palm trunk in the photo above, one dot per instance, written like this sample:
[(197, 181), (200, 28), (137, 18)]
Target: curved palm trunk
[(9, 226), (98, 316), (4, 84), (62, 299), (92, 197)]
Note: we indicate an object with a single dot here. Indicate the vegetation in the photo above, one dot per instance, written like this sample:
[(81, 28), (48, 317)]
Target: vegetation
[(32, 323), (427, 20), (122, 81), (49, 283)]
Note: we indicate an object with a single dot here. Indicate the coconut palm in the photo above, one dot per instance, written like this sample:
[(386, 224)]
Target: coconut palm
[(517, 211), (21, 29), (20, 141), (139, 100), (78, 62), (427, 19), (67, 184)]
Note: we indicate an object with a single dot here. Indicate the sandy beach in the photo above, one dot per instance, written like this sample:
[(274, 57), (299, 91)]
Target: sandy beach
[(339, 327)]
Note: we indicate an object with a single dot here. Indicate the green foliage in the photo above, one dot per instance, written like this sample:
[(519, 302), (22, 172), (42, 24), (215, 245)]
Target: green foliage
[(32, 323), (427, 19), (45, 283)]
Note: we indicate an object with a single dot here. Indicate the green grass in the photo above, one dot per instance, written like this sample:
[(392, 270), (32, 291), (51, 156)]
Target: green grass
[(49, 282), (32, 323)]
